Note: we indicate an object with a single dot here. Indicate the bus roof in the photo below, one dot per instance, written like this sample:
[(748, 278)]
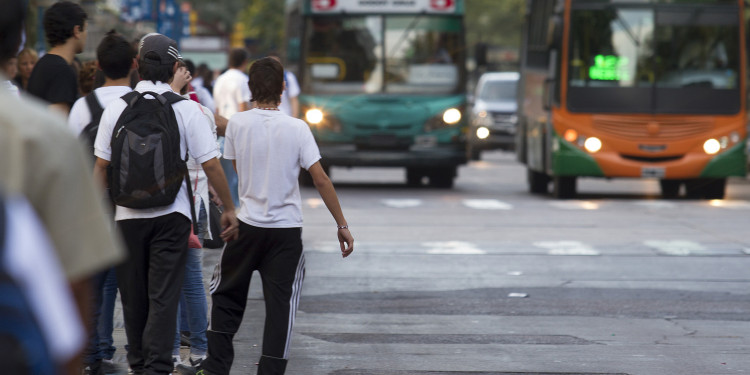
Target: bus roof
[(334, 7)]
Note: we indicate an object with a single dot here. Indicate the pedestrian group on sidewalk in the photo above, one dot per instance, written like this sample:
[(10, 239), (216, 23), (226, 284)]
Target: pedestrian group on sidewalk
[(164, 152)]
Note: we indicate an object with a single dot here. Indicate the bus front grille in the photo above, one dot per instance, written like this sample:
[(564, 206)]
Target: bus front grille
[(663, 129)]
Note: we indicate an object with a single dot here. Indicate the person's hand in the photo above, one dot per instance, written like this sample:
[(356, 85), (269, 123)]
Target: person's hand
[(231, 226), (181, 77), (346, 241)]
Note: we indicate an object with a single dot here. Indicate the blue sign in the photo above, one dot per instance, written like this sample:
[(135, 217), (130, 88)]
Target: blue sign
[(137, 10), (169, 19)]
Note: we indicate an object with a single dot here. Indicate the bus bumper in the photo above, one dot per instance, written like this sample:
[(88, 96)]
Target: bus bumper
[(350, 156), (568, 160)]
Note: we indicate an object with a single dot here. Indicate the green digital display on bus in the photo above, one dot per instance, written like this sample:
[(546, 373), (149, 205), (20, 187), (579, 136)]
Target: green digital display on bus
[(609, 68)]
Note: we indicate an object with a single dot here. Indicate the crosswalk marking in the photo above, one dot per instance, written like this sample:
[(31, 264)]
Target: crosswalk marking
[(676, 248), (486, 204), (567, 248), (402, 203), (576, 205), (583, 205), (453, 248)]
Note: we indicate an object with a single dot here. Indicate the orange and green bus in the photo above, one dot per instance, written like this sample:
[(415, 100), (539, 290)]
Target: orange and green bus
[(634, 89)]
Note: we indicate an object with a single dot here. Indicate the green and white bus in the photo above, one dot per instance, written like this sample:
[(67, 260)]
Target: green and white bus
[(383, 83)]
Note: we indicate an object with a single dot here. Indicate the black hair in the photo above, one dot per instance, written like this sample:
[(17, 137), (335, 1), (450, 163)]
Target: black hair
[(266, 81), (237, 57), (11, 28), (190, 66), (115, 55), (154, 71), (59, 21)]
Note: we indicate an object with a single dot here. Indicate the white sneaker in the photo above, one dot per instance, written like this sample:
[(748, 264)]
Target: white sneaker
[(176, 360), (196, 360)]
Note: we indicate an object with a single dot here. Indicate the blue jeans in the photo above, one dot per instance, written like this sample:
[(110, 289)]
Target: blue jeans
[(106, 319), (92, 353), (193, 296), (232, 179)]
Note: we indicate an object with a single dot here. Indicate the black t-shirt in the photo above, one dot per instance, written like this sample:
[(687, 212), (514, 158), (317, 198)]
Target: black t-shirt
[(54, 80)]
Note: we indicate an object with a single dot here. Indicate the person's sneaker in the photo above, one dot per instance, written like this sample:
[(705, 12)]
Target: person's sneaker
[(109, 367), (196, 360), (190, 370), (176, 360)]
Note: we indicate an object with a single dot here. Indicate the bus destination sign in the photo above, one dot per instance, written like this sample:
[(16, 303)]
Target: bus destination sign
[(383, 6)]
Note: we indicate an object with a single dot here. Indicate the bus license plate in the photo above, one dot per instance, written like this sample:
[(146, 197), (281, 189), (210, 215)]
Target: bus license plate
[(425, 140), (657, 172)]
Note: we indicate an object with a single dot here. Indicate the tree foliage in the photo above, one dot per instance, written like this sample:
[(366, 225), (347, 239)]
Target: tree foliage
[(497, 22), (264, 23)]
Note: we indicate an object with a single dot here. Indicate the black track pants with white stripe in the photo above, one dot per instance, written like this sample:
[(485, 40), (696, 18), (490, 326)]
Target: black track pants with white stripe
[(276, 253)]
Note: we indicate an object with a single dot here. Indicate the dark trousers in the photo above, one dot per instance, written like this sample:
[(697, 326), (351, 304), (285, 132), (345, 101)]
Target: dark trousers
[(276, 253), (150, 281)]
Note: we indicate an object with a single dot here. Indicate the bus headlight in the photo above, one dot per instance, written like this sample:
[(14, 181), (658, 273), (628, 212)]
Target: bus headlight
[(711, 146), (592, 144), (314, 116), (483, 133), (451, 116)]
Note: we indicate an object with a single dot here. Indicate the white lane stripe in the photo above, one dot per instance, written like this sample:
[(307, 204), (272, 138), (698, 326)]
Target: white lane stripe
[(656, 204), (486, 204), (299, 276), (576, 205), (402, 203), (567, 248), (314, 202), (452, 248), (677, 248)]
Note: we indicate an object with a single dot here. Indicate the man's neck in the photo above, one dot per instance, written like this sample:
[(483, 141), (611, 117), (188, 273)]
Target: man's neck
[(66, 51), (116, 82)]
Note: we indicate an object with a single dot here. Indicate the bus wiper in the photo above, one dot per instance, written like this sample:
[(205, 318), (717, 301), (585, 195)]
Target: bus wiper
[(408, 30)]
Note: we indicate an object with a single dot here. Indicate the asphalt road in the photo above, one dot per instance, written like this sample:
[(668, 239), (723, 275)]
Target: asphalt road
[(486, 278)]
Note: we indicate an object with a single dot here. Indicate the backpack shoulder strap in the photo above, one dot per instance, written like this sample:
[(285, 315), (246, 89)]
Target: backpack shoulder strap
[(172, 98), (131, 97), (94, 106), (2, 230)]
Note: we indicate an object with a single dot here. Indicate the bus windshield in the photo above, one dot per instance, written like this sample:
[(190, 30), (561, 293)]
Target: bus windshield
[(654, 60), (419, 54)]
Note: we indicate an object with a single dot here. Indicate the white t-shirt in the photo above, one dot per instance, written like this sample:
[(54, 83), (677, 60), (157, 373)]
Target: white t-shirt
[(80, 115), (230, 90), (269, 148), (195, 137), (33, 264), (292, 91)]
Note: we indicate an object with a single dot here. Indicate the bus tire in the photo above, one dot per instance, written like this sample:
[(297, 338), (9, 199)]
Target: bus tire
[(414, 177), (442, 177), (538, 182), (670, 189), (474, 154), (715, 188), (564, 187)]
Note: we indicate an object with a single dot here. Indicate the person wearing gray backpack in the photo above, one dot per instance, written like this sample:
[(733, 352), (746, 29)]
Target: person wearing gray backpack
[(141, 148)]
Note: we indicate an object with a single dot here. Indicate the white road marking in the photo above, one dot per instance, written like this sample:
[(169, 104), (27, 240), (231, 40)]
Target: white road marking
[(402, 203), (576, 205), (655, 204), (314, 202), (567, 248), (515, 273), (452, 248), (732, 205), (518, 295), (676, 248), (486, 204)]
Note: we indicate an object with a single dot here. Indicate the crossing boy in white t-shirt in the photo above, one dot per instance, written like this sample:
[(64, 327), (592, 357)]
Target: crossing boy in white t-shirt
[(267, 148)]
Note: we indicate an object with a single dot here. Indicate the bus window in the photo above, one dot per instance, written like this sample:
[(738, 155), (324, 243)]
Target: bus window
[(422, 54), (342, 53), (695, 49), (610, 48)]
